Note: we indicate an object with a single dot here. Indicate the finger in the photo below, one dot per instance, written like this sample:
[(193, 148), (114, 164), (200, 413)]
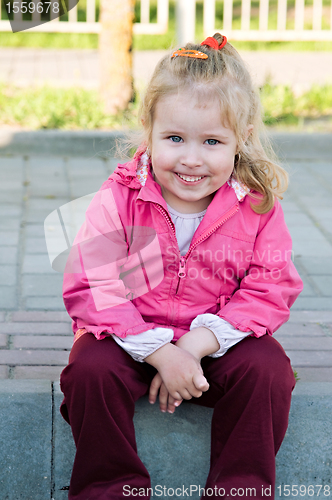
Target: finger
[(184, 394), (154, 388), (172, 404), (163, 398), (200, 383)]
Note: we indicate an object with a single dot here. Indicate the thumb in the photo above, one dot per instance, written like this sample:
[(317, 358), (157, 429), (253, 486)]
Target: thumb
[(200, 382)]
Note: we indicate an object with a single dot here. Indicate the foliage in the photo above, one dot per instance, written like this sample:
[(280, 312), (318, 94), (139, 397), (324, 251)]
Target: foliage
[(56, 108), (77, 108), (281, 105)]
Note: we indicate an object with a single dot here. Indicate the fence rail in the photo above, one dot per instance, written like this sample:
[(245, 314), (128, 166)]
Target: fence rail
[(269, 28)]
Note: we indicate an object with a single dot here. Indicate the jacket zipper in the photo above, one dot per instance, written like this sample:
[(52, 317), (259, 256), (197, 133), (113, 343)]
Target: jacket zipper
[(183, 259)]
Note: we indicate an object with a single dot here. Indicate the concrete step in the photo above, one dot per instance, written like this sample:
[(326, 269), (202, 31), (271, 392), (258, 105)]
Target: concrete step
[(38, 449)]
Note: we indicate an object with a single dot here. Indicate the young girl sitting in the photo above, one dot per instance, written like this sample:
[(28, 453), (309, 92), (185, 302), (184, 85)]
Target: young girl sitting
[(180, 275)]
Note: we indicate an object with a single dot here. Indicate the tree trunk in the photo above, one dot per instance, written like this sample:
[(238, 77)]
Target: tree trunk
[(115, 52)]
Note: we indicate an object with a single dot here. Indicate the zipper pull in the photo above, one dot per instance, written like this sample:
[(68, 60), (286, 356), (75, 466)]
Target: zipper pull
[(182, 266)]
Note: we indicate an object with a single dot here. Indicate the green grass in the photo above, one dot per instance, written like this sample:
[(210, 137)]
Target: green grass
[(75, 108), (54, 108), (167, 40), (281, 106)]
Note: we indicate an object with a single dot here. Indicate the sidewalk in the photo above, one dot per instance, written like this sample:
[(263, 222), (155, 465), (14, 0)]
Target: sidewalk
[(41, 171), (35, 334), (64, 68)]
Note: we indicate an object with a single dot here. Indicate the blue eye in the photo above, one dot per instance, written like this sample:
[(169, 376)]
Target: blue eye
[(175, 138), (212, 142)]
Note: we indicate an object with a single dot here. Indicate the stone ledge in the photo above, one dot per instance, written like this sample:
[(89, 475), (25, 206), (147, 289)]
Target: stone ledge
[(39, 449)]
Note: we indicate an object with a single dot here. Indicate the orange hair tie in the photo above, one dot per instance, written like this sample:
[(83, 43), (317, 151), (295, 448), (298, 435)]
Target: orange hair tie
[(213, 43), (196, 54)]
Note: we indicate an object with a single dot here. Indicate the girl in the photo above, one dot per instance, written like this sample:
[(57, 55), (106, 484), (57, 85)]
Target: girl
[(179, 276)]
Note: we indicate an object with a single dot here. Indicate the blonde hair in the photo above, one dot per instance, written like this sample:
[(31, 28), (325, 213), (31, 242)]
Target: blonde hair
[(225, 74)]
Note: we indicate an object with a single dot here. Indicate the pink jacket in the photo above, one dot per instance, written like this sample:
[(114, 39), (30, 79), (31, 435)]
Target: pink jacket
[(125, 274)]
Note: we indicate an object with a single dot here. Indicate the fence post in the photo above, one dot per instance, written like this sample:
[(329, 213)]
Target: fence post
[(209, 15), (185, 21)]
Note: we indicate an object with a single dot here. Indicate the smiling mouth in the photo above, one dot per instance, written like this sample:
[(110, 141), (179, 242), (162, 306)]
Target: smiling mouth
[(189, 178)]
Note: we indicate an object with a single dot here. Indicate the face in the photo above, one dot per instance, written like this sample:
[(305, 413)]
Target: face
[(192, 151)]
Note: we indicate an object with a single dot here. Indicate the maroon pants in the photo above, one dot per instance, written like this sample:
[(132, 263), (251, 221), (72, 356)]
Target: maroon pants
[(250, 390)]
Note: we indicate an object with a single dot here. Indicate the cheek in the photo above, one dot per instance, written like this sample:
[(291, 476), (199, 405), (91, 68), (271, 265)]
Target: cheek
[(162, 160)]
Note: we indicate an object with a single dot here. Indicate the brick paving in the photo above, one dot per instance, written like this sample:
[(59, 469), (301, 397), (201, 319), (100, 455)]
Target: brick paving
[(35, 330)]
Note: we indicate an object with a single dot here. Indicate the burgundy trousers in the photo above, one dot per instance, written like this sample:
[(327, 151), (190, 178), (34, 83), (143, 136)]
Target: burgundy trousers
[(250, 391)]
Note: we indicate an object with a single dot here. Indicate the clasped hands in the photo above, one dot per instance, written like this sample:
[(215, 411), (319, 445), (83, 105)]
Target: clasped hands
[(180, 375)]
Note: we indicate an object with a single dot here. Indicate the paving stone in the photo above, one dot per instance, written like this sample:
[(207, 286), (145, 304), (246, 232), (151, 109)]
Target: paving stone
[(40, 316), (302, 329), (310, 316), (11, 167), (51, 373), (316, 246), (10, 223), (25, 440), (33, 357), (36, 216), (45, 188), (306, 343), (85, 167), (314, 374), (4, 372), (85, 187), (8, 275), (10, 210), (37, 264), (34, 328), (297, 219), (41, 284), (45, 303), (312, 303), (12, 196), (308, 289), (324, 283), (12, 186), (8, 299), (3, 340), (35, 246), (46, 204), (8, 255), (318, 359), (43, 342), (64, 447), (315, 265), (35, 230), (9, 238)]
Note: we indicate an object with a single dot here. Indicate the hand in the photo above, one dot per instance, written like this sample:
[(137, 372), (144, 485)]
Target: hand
[(200, 342), (166, 401), (180, 371)]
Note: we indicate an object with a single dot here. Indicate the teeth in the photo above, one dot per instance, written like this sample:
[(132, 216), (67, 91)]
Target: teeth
[(190, 179)]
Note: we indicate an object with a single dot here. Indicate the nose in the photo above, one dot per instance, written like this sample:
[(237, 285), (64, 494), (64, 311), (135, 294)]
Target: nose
[(191, 156)]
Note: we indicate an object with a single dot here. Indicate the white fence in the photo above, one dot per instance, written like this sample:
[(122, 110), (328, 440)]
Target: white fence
[(278, 22), (91, 25)]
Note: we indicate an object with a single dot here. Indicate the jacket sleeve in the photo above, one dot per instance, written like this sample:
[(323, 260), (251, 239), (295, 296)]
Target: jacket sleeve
[(271, 285), (95, 288)]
